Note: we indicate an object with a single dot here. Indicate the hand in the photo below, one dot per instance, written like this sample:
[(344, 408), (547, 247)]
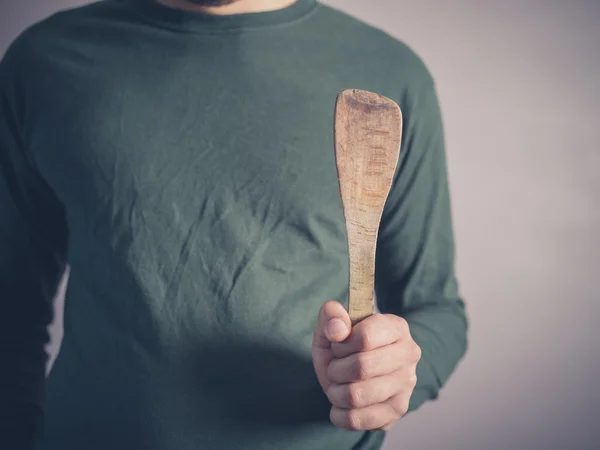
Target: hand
[(367, 372)]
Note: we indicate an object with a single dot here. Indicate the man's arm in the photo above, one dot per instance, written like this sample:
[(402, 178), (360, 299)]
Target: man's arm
[(414, 275), (33, 239)]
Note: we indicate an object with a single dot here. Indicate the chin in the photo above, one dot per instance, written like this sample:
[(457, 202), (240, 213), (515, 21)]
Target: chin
[(212, 2)]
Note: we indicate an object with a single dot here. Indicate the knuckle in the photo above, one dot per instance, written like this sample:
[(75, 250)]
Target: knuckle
[(354, 396), (364, 339), (412, 381), (401, 323), (403, 409), (399, 405), (363, 367), (417, 353), (353, 420)]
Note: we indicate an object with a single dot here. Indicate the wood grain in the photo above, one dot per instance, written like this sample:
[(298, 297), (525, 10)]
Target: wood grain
[(367, 131)]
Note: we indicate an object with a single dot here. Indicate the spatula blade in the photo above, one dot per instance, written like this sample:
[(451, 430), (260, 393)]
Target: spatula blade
[(368, 131)]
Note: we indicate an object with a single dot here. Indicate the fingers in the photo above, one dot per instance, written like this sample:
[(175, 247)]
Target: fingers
[(369, 392), (370, 418), (371, 333), (365, 365), (379, 416)]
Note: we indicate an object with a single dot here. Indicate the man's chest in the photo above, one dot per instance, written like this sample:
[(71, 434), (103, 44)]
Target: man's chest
[(168, 151)]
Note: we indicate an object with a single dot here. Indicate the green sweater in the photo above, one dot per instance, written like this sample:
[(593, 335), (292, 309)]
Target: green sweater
[(182, 166)]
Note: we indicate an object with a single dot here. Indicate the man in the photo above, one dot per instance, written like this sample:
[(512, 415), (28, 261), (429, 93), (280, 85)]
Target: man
[(178, 156)]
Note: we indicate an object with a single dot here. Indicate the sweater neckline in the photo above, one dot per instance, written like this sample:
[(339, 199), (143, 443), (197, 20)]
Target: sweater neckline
[(192, 21)]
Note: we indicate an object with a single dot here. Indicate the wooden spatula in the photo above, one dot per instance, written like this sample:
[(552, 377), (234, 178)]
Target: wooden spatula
[(367, 130)]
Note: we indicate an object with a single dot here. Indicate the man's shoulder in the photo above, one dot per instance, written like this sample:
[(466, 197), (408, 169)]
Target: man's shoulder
[(36, 42), (376, 45)]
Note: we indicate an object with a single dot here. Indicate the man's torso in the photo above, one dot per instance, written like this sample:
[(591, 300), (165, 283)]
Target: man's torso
[(197, 172)]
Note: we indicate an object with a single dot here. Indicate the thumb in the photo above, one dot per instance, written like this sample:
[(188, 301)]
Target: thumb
[(334, 322)]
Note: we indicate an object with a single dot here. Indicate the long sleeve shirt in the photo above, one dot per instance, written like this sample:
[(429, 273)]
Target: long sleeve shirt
[(182, 166)]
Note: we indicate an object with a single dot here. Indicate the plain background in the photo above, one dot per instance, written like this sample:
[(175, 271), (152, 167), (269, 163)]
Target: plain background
[(519, 84)]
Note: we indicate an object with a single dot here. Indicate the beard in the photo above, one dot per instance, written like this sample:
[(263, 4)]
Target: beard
[(211, 2)]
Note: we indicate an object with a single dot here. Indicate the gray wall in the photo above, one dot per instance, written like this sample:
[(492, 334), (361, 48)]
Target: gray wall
[(519, 86)]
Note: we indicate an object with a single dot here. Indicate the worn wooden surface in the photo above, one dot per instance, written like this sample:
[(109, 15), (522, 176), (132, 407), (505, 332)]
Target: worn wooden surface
[(367, 129)]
